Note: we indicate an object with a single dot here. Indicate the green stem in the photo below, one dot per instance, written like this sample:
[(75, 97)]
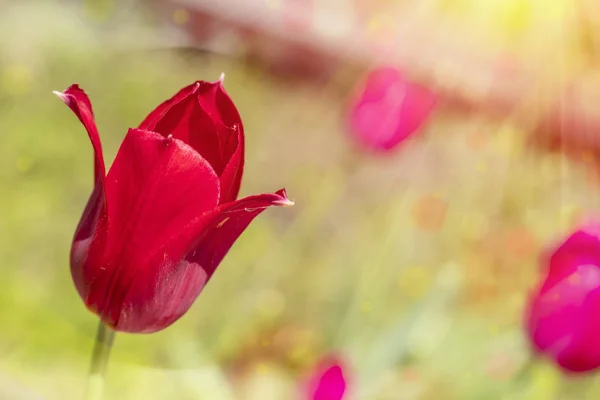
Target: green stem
[(104, 341)]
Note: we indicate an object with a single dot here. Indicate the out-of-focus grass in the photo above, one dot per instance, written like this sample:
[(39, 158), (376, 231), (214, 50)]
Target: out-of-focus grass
[(416, 266)]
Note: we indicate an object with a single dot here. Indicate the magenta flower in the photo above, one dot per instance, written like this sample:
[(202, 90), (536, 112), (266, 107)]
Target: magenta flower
[(160, 221), (388, 109), (563, 314), (327, 381)]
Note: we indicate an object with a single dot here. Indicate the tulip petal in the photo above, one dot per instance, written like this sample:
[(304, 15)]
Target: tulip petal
[(160, 112), (203, 116), (331, 385), (231, 178), (581, 248), (562, 320), (185, 263), (80, 104), (93, 219), (155, 186), (225, 224), (231, 137)]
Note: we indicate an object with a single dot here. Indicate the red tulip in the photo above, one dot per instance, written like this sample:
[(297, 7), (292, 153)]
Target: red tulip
[(388, 109), (563, 315), (328, 381), (159, 223)]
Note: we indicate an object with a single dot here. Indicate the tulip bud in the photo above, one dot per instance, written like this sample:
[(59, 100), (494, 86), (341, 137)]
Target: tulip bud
[(160, 221)]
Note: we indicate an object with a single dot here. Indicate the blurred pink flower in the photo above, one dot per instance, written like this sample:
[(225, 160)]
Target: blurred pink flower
[(563, 314), (388, 109), (327, 381)]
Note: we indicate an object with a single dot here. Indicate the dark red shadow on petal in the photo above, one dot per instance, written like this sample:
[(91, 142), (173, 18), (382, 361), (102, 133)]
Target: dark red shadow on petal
[(231, 134), (226, 224), (231, 178), (183, 269)]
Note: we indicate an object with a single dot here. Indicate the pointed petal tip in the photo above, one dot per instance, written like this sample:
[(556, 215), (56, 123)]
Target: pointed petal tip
[(284, 202), (221, 78), (68, 91)]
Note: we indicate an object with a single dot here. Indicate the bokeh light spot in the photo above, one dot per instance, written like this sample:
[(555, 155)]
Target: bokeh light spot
[(554, 11), (414, 281), (482, 166), (500, 366), (262, 368), (410, 374), (24, 164), (17, 79), (520, 242), (181, 16), (271, 303), (273, 4), (366, 307), (476, 140), (473, 226), (517, 16), (429, 213), (508, 142), (99, 10)]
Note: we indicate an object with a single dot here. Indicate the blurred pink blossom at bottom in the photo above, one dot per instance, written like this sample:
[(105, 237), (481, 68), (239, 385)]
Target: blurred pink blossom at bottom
[(388, 109), (327, 381), (563, 321)]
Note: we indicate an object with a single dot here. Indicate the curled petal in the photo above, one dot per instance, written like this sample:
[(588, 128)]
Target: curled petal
[(80, 104), (92, 224), (203, 116), (185, 263), (155, 186), (221, 228)]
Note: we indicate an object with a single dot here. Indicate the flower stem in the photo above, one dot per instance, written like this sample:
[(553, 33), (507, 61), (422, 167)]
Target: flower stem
[(104, 341)]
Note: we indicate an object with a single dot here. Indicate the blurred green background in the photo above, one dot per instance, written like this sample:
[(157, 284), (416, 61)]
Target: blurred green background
[(415, 266)]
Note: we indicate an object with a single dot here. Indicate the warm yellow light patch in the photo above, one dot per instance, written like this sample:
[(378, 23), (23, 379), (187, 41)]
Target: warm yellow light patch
[(271, 303), (414, 281), (429, 213), (24, 164), (99, 10), (17, 79), (181, 16), (273, 4)]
